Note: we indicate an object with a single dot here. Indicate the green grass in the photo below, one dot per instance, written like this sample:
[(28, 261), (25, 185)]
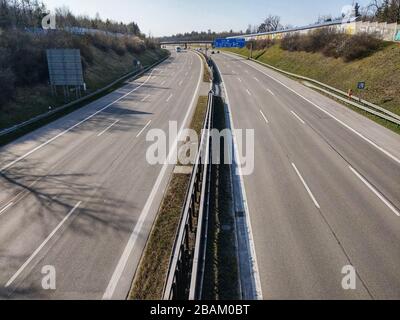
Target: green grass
[(153, 269), (381, 71), (207, 74), (388, 124)]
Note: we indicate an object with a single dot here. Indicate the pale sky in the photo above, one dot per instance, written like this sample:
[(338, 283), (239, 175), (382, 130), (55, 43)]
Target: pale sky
[(167, 17)]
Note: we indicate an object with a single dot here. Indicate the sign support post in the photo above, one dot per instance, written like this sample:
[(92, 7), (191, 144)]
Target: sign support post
[(361, 87)]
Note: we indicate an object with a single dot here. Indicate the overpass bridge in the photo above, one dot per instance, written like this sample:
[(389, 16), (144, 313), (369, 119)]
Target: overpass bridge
[(186, 43)]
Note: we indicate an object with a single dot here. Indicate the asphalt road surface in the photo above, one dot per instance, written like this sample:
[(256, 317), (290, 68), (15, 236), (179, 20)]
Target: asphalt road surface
[(79, 196), (325, 192)]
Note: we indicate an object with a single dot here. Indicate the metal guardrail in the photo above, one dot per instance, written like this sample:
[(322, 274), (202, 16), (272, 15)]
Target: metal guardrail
[(357, 105), (186, 268), (355, 101), (83, 99)]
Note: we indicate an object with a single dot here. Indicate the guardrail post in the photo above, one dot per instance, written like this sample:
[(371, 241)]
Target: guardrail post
[(187, 238), (193, 205), (191, 221)]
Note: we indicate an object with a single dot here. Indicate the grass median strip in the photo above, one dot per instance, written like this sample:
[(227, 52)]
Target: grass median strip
[(207, 74), (153, 268)]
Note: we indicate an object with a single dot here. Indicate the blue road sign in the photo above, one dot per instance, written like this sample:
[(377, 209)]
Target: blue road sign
[(230, 43), (361, 86)]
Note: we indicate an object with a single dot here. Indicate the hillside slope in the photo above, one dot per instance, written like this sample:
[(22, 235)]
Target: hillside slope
[(105, 67), (381, 71)]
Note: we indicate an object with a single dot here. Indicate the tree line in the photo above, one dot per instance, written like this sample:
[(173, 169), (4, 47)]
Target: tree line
[(200, 36), (28, 14), (23, 61), (383, 11)]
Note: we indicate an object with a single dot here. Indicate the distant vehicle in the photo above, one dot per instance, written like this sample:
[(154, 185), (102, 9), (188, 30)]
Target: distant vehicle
[(178, 49), (212, 52), (218, 51)]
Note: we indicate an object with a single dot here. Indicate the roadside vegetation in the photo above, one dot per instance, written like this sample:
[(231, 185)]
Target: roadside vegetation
[(153, 269), (376, 67), (107, 54), (207, 74), (334, 44)]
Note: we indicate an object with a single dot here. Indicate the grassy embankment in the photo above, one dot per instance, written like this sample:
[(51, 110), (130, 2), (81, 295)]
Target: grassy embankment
[(104, 69), (152, 272), (380, 71)]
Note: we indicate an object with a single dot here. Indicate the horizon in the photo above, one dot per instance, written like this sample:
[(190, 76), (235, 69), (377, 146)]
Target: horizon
[(181, 16)]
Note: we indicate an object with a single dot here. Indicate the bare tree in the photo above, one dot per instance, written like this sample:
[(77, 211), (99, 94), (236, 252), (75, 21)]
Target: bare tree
[(271, 23), (249, 29)]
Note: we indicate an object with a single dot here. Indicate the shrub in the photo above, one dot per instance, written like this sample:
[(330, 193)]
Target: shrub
[(333, 44), (7, 85), (134, 45), (316, 41), (83, 44), (151, 44), (118, 46), (28, 60), (101, 42), (261, 44), (7, 77), (291, 42), (360, 46)]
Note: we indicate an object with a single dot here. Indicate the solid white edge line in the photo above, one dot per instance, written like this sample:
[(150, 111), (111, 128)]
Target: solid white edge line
[(300, 119), (108, 128), (74, 126), (306, 186), (265, 118), (144, 128), (330, 115), (376, 192), (6, 207), (253, 253), (20, 270), (112, 285)]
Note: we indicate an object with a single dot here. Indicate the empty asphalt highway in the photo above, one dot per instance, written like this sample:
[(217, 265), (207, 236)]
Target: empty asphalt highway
[(79, 195), (325, 192)]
